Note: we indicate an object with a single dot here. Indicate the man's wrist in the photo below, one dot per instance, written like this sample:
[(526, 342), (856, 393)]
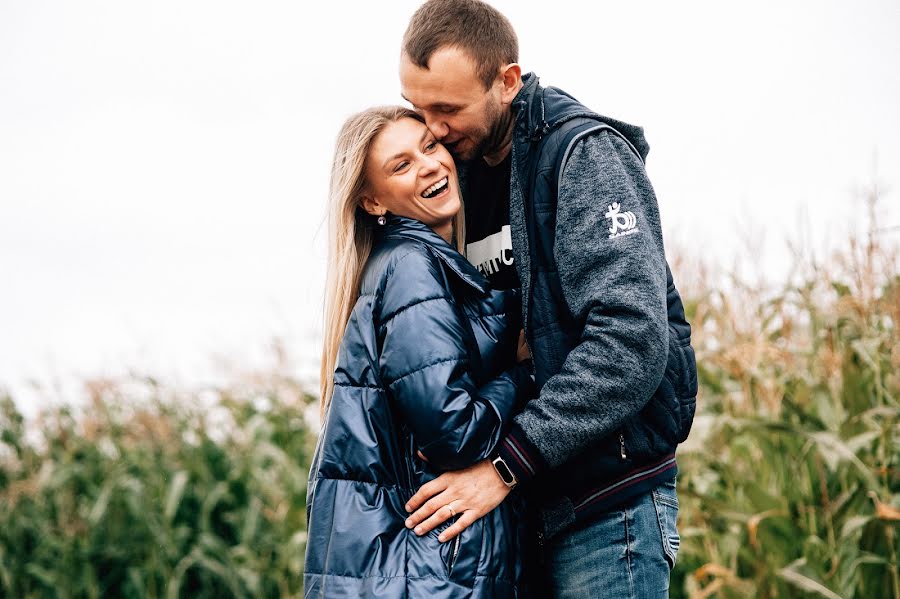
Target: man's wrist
[(504, 472), (520, 456)]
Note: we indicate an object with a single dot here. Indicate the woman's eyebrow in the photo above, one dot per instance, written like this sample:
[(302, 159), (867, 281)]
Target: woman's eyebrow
[(402, 154)]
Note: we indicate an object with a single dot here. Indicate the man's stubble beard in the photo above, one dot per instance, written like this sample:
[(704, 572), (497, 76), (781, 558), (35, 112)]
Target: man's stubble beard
[(498, 132), (497, 136)]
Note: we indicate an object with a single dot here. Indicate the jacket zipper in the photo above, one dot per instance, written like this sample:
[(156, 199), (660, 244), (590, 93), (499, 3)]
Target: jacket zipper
[(410, 476), (527, 285), (455, 553), (622, 446)]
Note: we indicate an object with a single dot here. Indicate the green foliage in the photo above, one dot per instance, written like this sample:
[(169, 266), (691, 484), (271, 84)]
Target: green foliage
[(789, 484), (147, 493)]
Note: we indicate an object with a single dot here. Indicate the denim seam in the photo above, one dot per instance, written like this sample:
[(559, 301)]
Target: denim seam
[(663, 535), (628, 552), (673, 503)]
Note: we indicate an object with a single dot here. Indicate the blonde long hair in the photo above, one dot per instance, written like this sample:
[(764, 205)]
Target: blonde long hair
[(351, 229)]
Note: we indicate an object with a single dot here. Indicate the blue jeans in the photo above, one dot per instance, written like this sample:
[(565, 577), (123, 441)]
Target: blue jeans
[(627, 553)]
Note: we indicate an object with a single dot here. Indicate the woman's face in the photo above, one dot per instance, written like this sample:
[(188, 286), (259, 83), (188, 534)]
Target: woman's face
[(411, 174)]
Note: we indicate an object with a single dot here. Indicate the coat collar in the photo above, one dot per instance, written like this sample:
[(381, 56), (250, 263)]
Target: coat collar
[(529, 107), (408, 228), (540, 109)]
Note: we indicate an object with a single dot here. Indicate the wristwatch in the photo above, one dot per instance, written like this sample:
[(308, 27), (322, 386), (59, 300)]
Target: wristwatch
[(506, 475)]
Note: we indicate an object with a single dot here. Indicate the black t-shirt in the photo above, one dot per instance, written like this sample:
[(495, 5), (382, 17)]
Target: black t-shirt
[(488, 239)]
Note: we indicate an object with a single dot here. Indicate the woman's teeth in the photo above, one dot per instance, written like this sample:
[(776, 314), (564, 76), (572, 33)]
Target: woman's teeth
[(435, 189)]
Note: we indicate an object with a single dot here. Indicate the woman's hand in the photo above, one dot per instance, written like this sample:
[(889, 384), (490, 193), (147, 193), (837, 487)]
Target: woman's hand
[(523, 353)]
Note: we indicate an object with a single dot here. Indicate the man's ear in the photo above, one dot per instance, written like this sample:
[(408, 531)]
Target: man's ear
[(511, 82), (371, 205)]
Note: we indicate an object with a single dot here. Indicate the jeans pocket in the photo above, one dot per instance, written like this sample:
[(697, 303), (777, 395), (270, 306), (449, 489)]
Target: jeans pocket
[(665, 500)]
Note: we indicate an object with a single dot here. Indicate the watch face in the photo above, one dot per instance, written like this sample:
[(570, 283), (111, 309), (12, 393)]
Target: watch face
[(504, 471)]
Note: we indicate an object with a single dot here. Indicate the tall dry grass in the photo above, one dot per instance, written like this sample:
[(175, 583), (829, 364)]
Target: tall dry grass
[(789, 484)]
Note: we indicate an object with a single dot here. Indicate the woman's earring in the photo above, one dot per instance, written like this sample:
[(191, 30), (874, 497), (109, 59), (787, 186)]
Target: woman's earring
[(382, 220)]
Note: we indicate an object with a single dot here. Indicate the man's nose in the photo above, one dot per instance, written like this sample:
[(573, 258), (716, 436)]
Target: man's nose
[(437, 127)]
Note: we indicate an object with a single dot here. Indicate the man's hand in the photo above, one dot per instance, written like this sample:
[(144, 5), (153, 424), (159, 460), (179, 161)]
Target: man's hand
[(523, 352), (469, 493)]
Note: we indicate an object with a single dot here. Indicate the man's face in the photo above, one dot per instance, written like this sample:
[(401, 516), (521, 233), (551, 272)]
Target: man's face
[(457, 108)]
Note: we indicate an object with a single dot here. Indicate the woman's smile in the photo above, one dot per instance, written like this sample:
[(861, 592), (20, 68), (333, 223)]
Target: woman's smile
[(411, 174)]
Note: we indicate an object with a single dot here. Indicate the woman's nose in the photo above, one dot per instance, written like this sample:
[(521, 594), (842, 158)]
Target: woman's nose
[(429, 163)]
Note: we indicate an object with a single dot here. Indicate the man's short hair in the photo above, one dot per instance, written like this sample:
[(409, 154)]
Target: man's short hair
[(469, 25)]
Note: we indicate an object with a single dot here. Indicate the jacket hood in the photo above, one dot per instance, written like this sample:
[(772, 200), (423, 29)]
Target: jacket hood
[(408, 228), (535, 117)]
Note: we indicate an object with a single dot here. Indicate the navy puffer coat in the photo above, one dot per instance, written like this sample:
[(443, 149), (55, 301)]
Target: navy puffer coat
[(427, 363)]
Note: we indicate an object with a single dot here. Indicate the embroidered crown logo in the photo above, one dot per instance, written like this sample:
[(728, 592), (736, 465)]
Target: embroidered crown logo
[(623, 223)]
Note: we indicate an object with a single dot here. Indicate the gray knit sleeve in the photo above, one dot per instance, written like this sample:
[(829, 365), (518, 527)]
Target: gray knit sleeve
[(611, 264)]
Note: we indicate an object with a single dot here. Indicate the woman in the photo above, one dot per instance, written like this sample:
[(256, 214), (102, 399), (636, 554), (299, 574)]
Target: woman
[(423, 368)]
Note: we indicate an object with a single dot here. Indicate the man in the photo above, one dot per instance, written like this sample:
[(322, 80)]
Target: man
[(558, 201)]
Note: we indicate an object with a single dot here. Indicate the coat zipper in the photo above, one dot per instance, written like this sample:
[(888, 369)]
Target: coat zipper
[(455, 553), (527, 285), (622, 446), (410, 476)]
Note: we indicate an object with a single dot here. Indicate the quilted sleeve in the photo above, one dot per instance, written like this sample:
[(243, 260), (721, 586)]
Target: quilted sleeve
[(424, 363)]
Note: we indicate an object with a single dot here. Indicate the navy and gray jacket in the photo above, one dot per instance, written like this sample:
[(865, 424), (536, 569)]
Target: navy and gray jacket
[(604, 321), (426, 364)]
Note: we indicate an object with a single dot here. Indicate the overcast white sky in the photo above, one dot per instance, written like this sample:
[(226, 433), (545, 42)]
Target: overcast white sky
[(163, 165)]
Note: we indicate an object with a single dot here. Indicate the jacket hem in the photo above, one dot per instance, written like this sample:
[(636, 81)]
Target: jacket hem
[(609, 495)]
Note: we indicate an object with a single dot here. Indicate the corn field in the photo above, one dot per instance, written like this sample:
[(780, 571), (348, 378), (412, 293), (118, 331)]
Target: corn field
[(149, 493), (789, 484)]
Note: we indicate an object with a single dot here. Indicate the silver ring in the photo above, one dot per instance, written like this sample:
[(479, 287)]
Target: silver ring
[(452, 511)]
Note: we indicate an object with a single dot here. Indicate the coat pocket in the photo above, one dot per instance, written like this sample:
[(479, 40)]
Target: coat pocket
[(450, 549)]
